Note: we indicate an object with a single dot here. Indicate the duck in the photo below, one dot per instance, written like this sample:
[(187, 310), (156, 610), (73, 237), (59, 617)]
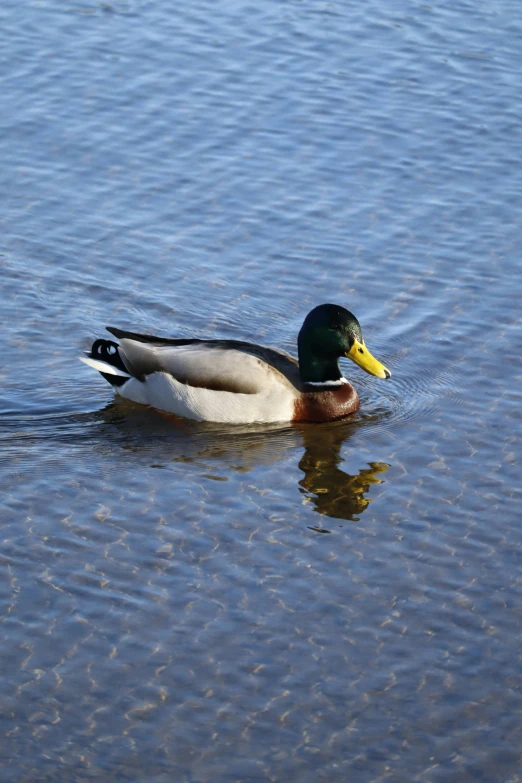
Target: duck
[(238, 382)]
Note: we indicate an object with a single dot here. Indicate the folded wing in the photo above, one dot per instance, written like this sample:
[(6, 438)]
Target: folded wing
[(220, 365)]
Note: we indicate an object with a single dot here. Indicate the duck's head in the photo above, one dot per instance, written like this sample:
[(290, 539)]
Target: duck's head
[(328, 333)]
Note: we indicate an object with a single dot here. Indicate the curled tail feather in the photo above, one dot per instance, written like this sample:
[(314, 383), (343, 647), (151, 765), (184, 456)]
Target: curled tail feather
[(104, 357)]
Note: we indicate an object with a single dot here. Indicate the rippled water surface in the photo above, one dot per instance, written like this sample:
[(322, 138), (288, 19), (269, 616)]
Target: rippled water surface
[(189, 602)]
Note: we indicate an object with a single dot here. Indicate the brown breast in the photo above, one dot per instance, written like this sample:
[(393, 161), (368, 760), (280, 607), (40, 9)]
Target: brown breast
[(326, 405)]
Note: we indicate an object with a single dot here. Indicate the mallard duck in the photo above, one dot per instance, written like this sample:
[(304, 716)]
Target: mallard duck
[(238, 382)]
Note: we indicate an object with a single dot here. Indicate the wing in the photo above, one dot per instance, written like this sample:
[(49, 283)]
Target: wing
[(221, 365)]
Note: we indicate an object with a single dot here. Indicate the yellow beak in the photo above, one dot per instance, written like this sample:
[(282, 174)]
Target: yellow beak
[(360, 354)]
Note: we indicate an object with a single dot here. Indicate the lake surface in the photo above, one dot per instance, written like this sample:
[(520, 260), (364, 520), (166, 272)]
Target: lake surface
[(323, 603)]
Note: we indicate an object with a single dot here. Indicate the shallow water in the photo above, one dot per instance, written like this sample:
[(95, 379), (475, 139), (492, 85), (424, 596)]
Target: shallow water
[(190, 602)]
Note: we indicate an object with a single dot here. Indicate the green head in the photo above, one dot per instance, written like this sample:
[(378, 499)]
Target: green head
[(329, 332)]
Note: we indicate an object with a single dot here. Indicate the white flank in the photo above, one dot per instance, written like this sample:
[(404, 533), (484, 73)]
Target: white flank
[(340, 382), (105, 367), (160, 390)]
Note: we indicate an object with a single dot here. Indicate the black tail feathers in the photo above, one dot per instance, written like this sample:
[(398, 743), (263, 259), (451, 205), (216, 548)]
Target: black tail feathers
[(107, 351)]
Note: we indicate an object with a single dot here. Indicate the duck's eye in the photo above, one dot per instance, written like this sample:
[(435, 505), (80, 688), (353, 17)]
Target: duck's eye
[(361, 350)]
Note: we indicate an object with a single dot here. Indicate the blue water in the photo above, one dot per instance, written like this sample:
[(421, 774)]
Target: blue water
[(189, 602)]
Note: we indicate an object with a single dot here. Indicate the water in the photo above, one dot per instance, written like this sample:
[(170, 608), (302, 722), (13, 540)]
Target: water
[(317, 603)]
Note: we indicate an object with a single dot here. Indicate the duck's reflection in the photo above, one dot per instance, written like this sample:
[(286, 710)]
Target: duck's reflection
[(333, 492)]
